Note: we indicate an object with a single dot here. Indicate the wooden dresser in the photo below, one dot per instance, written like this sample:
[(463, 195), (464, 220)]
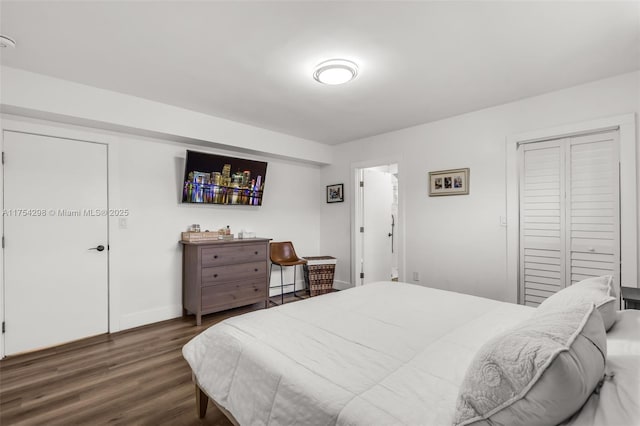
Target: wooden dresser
[(219, 275)]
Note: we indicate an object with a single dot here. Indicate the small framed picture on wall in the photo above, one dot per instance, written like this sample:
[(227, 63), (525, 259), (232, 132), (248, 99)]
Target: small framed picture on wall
[(449, 182), (335, 193)]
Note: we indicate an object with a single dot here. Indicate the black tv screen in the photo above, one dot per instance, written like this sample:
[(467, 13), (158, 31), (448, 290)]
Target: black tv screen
[(217, 179)]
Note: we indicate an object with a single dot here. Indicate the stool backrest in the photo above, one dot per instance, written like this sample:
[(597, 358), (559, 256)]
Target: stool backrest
[(280, 252)]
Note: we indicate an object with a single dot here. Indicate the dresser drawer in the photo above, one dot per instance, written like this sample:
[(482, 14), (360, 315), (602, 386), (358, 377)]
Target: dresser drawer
[(233, 294), (242, 271), (236, 253)]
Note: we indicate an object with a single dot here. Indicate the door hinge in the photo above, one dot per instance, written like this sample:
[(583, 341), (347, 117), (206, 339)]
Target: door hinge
[(361, 274), (362, 229), (361, 183), (3, 241), (3, 327), (2, 157)]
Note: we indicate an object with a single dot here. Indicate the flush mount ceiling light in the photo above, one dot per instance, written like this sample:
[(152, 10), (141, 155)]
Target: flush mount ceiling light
[(7, 41), (335, 71)]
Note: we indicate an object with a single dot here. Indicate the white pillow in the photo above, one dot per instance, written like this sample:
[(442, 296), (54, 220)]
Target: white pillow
[(598, 290), (539, 373)]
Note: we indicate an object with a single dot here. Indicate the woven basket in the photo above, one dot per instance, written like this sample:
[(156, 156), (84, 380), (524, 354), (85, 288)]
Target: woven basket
[(318, 274)]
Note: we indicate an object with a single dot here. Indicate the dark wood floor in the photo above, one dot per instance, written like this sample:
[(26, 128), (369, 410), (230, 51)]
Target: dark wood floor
[(136, 376)]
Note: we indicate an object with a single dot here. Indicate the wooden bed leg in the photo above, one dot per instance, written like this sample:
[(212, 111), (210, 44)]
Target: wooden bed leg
[(202, 400)]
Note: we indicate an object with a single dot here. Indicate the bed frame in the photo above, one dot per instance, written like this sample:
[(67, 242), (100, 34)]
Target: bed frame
[(202, 401)]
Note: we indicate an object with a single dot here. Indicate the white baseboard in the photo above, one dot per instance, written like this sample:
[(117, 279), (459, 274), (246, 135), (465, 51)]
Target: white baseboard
[(137, 319), (288, 288)]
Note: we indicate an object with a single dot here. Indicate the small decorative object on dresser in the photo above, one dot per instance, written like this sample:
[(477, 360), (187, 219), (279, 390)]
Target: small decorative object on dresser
[(631, 296), (192, 236), (449, 182), (223, 274), (246, 234)]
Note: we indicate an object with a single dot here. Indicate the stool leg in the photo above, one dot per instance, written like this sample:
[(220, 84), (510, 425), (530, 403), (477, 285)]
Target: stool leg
[(294, 281), (269, 289), (281, 286), (294, 285)]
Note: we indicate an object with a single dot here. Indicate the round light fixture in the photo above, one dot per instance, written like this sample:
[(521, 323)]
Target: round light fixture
[(335, 71), (7, 41)]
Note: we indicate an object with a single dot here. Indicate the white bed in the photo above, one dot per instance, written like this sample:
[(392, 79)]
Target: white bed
[(385, 353)]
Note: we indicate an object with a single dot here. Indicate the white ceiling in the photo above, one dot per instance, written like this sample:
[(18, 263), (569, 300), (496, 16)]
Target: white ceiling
[(252, 61)]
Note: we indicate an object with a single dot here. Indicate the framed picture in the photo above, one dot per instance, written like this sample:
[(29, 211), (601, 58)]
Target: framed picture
[(449, 182), (335, 193)]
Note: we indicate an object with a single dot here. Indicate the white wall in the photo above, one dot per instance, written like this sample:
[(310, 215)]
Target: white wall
[(147, 142), (457, 243), (145, 177), (150, 176)]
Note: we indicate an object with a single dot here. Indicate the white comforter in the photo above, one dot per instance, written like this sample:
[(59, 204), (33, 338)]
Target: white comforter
[(382, 354)]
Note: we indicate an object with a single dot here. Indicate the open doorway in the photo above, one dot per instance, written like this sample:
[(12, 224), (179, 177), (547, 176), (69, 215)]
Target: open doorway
[(376, 216)]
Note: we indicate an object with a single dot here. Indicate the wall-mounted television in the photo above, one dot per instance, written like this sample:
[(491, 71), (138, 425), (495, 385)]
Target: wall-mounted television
[(217, 179)]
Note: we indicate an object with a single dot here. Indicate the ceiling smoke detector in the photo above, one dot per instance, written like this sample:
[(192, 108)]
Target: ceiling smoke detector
[(6, 41), (335, 71)]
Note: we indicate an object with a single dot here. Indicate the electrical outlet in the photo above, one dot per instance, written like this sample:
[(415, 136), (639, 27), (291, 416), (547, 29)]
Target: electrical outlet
[(503, 221), (416, 276), (122, 223)]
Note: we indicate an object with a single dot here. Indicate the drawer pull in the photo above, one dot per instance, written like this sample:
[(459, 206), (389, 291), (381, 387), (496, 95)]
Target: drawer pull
[(215, 257), (255, 252), (256, 270), (215, 275)]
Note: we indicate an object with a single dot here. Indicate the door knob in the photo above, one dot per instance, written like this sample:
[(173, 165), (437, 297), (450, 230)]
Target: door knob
[(99, 248)]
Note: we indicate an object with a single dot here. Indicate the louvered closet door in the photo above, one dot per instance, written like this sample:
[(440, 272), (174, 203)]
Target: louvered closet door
[(569, 213), (593, 199), (542, 213)]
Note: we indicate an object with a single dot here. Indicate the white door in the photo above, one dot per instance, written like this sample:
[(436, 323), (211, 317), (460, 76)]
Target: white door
[(377, 218), (542, 218), (55, 201), (569, 213), (593, 202)]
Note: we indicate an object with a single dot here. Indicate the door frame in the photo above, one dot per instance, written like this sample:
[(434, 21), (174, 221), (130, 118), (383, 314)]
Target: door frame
[(356, 209), (626, 126), (38, 127)]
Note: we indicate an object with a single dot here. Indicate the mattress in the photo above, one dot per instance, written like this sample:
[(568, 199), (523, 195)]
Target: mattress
[(384, 353)]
